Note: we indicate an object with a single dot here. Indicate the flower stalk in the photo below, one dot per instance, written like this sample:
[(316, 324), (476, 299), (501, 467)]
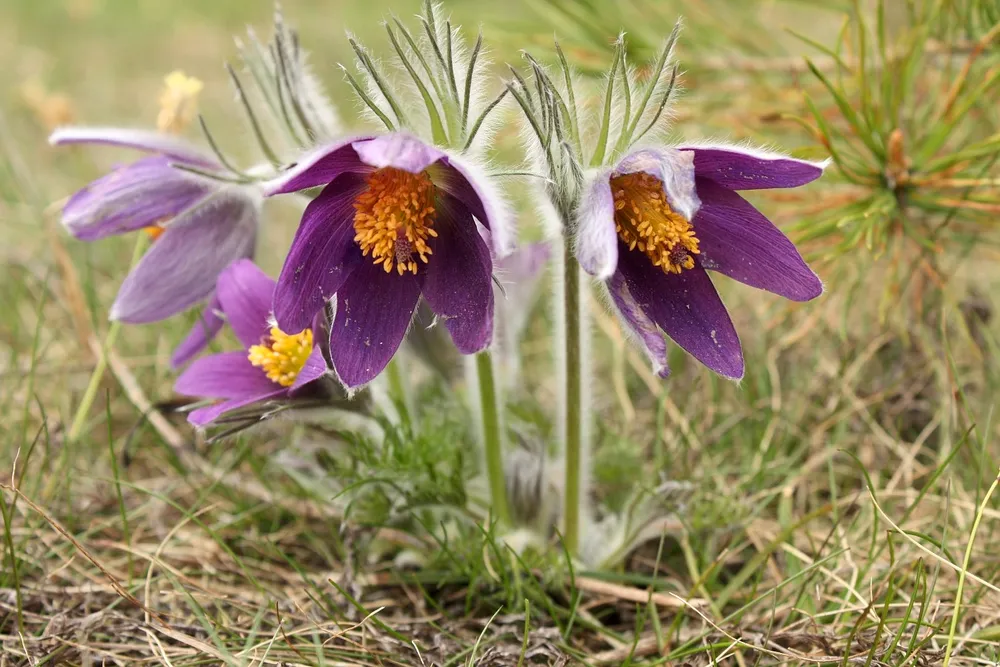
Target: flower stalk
[(400, 391), (90, 394), (572, 409), (492, 436)]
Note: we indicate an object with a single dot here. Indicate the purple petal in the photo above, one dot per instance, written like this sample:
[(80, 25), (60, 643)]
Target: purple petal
[(224, 375), (322, 255), (320, 167), (144, 193), (687, 307), (740, 242), (374, 309), (208, 326), (143, 140), (182, 266), (674, 168), (596, 238), (207, 415), (314, 368), (245, 293), (518, 273), (399, 150), (738, 168), (471, 186), (458, 278), (524, 264), (639, 325)]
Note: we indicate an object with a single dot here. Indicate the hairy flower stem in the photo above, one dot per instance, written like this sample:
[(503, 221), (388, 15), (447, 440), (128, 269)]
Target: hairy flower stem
[(492, 437), (400, 391), (573, 409), (80, 418)]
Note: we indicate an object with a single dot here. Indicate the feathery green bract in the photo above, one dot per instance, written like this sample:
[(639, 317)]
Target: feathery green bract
[(433, 66), (723, 32)]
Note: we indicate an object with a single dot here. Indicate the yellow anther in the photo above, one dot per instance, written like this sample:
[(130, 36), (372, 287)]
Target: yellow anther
[(281, 356), (178, 102), (644, 220), (393, 219)]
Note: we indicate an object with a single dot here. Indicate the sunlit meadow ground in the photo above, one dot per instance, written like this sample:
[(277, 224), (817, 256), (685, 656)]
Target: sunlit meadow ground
[(835, 488)]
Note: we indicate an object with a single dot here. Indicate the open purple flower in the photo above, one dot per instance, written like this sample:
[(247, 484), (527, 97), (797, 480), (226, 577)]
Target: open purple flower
[(397, 219), (199, 225), (653, 225), (273, 364)]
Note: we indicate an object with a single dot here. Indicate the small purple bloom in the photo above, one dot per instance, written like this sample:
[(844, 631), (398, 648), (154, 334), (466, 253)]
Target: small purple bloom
[(273, 364), (199, 225), (397, 219), (652, 226)]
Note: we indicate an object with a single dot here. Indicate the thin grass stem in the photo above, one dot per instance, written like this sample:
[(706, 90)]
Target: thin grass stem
[(90, 394)]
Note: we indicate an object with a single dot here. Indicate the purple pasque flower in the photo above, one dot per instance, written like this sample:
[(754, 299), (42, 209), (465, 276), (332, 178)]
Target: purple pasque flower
[(654, 224), (397, 219), (272, 364), (199, 225)]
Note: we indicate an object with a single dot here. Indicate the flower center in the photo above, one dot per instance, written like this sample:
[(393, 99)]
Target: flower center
[(281, 356), (644, 220), (393, 219)]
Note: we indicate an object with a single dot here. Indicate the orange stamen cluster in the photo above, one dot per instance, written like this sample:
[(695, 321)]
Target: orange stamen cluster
[(393, 219), (154, 231), (644, 220), (281, 356)]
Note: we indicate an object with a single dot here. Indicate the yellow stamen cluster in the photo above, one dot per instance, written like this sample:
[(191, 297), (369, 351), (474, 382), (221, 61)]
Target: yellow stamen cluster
[(393, 219), (154, 231), (52, 109), (178, 102), (281, 356), (644, 220)]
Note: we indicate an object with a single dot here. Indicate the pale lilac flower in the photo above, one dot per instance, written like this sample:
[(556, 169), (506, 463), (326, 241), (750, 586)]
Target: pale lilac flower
[(397, 219), (273, 365), (200, 225), (651, 227)]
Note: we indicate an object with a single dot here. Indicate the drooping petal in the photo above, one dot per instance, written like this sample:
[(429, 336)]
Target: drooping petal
[(596, 239), (374, 309), (674, 168), (245, 292), (322, 256), (457, 282), (182, 266), (143, 140), (399, 150), (638, 323), (314, 368), (141, 194), (524, 264), (518, 274), (207, 415), (687, 308), (740, 168), (740, 242), (319, 167), (208, 326), (469, 184), (224, 375)]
